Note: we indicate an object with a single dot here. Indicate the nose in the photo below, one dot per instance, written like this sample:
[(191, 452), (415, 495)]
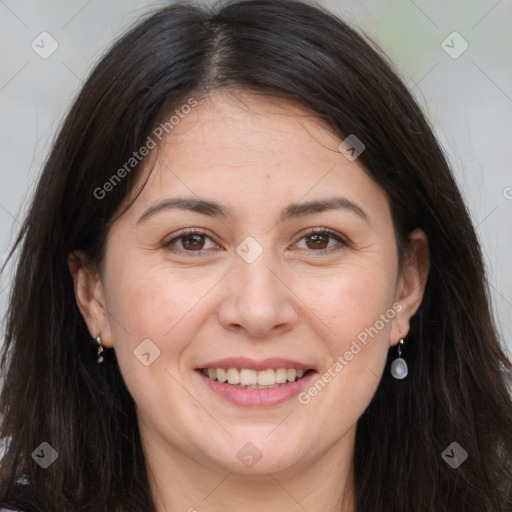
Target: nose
[(258, 302)]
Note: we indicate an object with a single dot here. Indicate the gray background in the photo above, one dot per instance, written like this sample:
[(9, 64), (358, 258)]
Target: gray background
[(468, 99)]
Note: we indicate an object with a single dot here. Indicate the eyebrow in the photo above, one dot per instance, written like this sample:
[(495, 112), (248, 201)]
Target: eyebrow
[(214, 209), (210, 208), (296, 210)]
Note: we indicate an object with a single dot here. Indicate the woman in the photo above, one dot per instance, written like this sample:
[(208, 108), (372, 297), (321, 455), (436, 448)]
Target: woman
[(248, 281)]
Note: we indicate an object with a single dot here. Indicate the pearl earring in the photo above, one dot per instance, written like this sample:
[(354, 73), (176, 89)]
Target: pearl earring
[(399, 366)]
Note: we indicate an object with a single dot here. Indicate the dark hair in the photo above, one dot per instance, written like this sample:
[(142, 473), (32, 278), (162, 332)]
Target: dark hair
[(55, 392)]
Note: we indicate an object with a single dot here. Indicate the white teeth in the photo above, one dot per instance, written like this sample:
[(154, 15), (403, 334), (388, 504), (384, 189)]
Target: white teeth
[(233, 376), (291, 374), (266, 377), (281, 376), (248, 377), (253, 379)]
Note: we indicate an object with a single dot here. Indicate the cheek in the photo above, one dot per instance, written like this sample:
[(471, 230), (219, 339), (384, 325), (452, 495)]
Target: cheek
[(350, 301), (156, 302), (356, 305), (155, 312), (149, 304), (357, 308)]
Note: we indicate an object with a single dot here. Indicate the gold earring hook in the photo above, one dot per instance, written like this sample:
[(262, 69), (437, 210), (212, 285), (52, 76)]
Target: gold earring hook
[(400, 343)]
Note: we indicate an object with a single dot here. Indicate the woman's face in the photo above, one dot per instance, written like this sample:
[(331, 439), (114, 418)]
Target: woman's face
[(291, 264)]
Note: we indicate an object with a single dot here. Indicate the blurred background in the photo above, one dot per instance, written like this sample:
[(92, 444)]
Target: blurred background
[(455, 55)]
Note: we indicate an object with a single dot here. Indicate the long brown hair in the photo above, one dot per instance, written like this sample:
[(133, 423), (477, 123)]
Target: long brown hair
[(54, 392)]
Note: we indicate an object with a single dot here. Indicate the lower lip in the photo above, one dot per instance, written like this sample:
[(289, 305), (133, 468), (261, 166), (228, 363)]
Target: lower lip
[(257, 397)]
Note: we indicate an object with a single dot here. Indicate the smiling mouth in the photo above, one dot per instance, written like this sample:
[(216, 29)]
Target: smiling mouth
[(246, 378)]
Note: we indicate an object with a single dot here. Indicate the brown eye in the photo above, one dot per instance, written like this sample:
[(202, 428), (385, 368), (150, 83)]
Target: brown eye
[(322, 240), (317, 241), (192, 242)]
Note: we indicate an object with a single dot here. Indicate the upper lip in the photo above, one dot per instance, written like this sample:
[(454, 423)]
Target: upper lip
[(252, 364)]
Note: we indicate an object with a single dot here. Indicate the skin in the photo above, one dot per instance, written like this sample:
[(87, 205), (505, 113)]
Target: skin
[(255, 154)]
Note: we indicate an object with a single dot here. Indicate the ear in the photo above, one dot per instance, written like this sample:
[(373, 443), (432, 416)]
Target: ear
[(90, 297), (411, 284)]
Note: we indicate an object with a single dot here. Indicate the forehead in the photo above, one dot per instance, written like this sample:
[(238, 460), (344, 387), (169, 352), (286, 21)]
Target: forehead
[(237, 147), (231, 124)]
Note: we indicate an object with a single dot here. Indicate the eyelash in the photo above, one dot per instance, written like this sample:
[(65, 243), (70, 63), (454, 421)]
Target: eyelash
[(315, 231)]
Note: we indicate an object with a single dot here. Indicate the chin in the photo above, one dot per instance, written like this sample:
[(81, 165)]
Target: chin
[(258, 456)]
